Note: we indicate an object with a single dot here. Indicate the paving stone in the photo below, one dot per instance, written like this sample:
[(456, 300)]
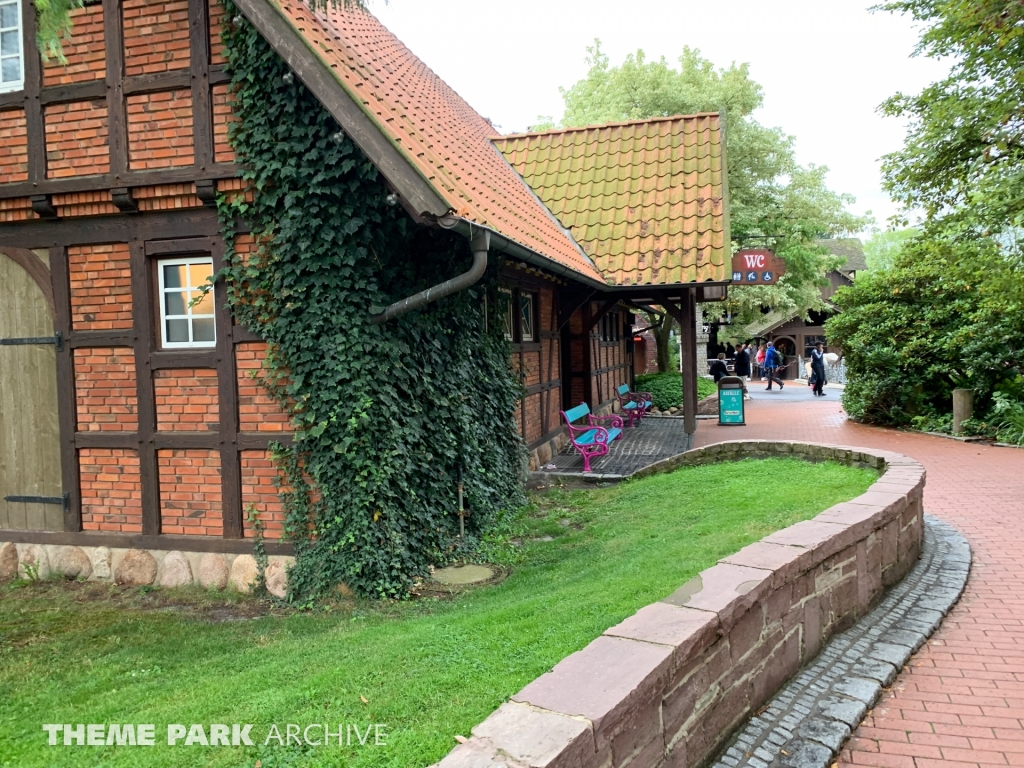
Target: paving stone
[(848, 711), (896, 655), (805, 754), (859, 688), (831, 733), (873, 669)]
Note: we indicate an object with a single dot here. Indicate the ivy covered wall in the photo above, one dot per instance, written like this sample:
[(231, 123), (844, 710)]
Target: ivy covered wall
[(385, 413)]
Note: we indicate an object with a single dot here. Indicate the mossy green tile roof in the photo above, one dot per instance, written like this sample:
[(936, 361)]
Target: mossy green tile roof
[(645, 199)]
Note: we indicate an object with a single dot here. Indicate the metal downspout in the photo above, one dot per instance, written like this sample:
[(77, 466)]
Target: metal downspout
[(479, 245)]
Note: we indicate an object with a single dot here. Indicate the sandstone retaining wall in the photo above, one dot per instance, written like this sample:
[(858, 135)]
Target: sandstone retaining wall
[(666, 687)]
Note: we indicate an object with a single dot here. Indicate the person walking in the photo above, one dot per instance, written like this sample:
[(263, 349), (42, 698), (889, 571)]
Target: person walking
[(818, 368), (718, 368), (760, 361), (771, 366), (742, 366)]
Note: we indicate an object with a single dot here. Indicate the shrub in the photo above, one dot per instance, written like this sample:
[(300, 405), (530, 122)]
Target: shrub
[(667, 388), (946, 315)]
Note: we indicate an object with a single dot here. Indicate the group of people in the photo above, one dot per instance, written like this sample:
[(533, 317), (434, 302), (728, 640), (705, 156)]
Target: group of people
[(769, 361)]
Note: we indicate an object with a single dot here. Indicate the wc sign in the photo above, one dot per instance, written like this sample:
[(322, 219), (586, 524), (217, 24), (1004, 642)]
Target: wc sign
[(756, 266)]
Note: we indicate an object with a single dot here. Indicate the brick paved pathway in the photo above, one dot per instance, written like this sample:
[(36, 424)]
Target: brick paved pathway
[(960, 701)]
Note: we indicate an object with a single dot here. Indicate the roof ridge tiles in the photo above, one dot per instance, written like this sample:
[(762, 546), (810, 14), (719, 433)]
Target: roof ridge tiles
[(596, 126)]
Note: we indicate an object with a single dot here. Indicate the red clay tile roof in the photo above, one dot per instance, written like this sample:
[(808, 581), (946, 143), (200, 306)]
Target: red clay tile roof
[(434, 128), (644, 198)]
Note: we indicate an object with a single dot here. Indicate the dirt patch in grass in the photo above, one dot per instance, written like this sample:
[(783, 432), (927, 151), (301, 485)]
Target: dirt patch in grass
[(190, 602)]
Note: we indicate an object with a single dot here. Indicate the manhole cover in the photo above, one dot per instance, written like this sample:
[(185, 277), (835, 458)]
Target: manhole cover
[(461, 575)]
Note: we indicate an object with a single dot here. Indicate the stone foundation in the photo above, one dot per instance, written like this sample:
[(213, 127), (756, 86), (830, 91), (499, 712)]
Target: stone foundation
[(141, 567), (667, 686)]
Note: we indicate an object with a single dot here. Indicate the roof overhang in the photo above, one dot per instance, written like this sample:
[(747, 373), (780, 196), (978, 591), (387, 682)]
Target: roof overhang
[(416, 192)]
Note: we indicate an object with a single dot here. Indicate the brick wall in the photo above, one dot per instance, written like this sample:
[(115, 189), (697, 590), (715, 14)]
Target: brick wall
[(16, 208), (257, 410), (190, 493), (222, 118), (101, 284), (111, 490), (261, 489), (216, 16), (155, 36), (160, 130), (13, 145), (105, 391), (77, 143), (186, 399), (84, 52), (166, 197), (84, 204)]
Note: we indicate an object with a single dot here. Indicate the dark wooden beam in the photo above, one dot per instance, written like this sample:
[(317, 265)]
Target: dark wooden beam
[(157, 82), (117, 128), (227, 397), (261, 441), (117, 228), (85, 339), (202, 114), (34, 123), (62, 94), (183, 441), (606, 307), (185, 358), (179, 245), (124, 440), (66, 403), (240, 333), (143, 541), (122, 178), (143, 310)]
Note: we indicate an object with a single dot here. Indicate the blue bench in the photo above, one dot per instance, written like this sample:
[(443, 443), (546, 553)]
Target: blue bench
[(634, 404), (592, 439)]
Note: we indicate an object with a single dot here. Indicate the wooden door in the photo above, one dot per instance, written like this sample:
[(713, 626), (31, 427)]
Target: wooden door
[(29, 431)]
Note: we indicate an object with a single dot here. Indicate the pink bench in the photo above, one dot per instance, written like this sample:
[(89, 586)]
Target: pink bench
[(593, 439)]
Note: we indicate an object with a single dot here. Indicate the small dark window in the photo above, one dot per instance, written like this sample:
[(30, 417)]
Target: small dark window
[(527, 329)]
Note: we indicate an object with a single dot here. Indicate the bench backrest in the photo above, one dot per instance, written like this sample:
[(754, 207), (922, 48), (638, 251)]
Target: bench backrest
[(623, 390), (574, 414)]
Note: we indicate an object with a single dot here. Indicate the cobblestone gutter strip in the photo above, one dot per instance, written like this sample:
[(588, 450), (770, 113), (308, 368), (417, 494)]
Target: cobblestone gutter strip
[(806, 723)]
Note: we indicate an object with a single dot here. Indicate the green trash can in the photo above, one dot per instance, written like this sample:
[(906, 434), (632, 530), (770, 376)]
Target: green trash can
[(730, 401)]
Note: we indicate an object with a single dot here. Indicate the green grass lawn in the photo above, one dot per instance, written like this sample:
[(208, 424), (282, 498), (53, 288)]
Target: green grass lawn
[(427, 669)]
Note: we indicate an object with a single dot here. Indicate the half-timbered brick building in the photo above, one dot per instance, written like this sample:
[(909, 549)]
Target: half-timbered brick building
[(131, 412)]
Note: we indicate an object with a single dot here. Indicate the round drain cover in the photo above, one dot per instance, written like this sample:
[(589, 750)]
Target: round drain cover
[(460, 575)]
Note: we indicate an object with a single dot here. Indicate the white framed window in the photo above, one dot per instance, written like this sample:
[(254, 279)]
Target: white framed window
[(186, 311), (12, 55), (526, 325)]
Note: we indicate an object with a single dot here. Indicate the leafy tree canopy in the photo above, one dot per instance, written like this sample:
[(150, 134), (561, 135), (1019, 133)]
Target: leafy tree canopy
[(942, 316), (964, 152), (944, 306), (774, 201), (882, 248)]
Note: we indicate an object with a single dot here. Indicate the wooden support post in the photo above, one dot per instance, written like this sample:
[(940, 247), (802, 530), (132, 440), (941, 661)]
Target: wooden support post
[(143, 310), (688, 359), (66, 406), (34, 121)]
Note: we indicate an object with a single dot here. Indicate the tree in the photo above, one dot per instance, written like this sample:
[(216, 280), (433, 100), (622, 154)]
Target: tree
[(944, 315), (882, 248), (774, 202), (949, 312), (964, 153)]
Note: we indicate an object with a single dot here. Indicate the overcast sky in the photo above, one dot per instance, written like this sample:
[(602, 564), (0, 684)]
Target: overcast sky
[(825, 65)]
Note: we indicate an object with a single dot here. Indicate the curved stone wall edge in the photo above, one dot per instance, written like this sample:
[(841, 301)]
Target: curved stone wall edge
[(666, 687)]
